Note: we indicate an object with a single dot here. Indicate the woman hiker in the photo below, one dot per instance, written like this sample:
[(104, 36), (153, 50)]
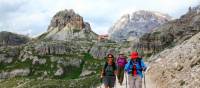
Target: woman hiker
[(121, 62), (109, 72), (134, 68)]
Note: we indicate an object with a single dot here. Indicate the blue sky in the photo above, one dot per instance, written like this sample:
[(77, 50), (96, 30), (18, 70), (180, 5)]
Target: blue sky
[(32, 17)]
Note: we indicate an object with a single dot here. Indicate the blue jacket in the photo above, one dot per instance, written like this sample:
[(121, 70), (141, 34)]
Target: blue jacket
[(139, 67)]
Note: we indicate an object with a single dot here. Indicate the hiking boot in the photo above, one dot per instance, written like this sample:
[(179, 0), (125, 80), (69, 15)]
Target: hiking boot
[(120, 84)]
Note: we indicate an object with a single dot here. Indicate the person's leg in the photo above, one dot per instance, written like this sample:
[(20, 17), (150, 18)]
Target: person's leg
[(138, 82), (112, 82), (131, 81), (122, 75), (106, 86), (118, 73), (106, 81)]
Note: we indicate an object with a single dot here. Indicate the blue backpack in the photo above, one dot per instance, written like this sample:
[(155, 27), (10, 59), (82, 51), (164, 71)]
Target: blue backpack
[(130, 69)]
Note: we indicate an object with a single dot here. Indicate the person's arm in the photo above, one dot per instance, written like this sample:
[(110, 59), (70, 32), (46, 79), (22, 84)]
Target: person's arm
[(102, 72), (126, 60), (144, 67), (115, 70), (117, 60), (127, 66)]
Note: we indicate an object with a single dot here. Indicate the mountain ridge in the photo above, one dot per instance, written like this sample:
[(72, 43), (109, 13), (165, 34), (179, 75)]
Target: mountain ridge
[(136, 24)]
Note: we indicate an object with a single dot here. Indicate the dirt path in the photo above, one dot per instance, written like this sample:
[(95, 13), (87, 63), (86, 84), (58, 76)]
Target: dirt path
[(149, 83)]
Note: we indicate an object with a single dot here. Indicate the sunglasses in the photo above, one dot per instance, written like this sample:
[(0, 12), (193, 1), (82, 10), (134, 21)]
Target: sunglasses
[(110, 57)]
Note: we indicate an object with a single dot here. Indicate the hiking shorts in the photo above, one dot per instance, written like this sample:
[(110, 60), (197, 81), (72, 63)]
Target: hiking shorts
[(109, 81)]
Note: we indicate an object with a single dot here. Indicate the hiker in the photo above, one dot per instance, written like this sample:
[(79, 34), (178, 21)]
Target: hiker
[(121, 62), (109, 72), (134, 68)]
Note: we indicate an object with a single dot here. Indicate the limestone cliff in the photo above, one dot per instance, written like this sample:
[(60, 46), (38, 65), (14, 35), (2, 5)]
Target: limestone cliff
[(171, 33)]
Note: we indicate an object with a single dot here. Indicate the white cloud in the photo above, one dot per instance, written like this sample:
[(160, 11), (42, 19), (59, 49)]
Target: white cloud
[(33, 16)]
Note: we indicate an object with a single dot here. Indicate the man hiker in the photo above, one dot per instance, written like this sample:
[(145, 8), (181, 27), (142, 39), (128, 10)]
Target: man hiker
[(134, 68), (109, 72), (121, 62)]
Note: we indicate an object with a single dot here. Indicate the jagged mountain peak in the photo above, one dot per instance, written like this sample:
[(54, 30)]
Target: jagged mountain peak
[(150, 13), (66, 18), (137, 24), (68, 25)]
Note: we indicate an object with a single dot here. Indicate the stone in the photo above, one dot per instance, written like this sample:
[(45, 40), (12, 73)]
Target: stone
[(59, 72), (86, 73), (36, 61), (5, 59), (14, 73)]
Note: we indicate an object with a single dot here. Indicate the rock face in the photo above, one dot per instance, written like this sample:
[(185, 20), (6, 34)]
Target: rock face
[(48, 48), (101, 49), (8, 38), (14, 73), (134, 25), (178, 67), (171, 33), (67, 25), (8, 54), (67, 18)]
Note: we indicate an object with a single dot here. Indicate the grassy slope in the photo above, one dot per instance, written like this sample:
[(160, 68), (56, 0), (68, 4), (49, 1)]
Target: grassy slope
[(69, 79)]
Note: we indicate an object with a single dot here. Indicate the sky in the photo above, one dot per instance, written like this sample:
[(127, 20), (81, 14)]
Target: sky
[(32, 17)]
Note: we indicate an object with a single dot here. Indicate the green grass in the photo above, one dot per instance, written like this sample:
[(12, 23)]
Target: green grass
[(73, 73), (70, 77), (76, 30), (91, 63), (88, 82), (88, 56), (15, 65)]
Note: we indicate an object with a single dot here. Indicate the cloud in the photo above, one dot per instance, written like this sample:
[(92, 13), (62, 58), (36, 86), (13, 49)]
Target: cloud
[(32, 17)]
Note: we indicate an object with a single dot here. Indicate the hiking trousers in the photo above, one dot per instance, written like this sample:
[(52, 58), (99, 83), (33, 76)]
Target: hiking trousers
[(135, 82), (120, 74)]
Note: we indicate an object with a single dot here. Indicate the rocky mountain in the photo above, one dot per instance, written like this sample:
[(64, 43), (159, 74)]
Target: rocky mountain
[(171, 33), (100, 49), (9, 38), (178, 67), (175, 62), (67, 25), (131, 26)]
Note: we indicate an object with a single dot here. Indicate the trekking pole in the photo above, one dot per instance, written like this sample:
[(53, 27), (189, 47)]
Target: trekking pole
[(101, 80), (115, 83), (126, 79), (144, 81)]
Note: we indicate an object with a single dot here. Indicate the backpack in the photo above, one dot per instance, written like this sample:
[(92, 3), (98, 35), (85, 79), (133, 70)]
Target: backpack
[(139, 60), (106, 65), (121, 62)]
